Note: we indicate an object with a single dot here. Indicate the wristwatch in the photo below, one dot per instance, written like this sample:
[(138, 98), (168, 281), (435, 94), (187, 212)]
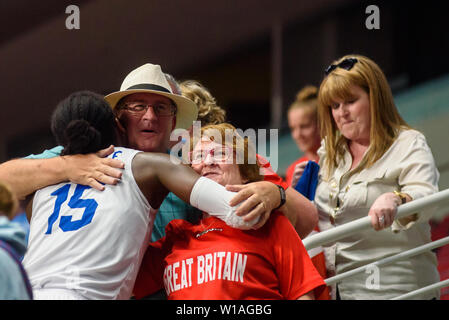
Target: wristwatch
[(401, 196), (283, 197)]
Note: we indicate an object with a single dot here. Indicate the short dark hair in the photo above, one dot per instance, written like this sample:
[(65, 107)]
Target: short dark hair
[(83, 123)]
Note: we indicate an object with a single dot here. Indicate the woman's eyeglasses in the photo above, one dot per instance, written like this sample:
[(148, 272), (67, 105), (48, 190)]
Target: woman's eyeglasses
[(346, 64), (218, 154)]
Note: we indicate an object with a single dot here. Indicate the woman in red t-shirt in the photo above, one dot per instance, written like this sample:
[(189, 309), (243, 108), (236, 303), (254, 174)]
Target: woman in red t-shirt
[(303, 123), (211, 260)]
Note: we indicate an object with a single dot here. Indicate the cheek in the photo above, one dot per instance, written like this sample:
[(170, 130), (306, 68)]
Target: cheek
[(308, 133), (128, 119), (362, 117), (231, 174), (197, 168), (367, 118), (336, 118), (295, 133), (131, 131), (313, 132), (168, 127), (130, 125)]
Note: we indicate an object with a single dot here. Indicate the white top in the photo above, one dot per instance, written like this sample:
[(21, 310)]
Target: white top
[(89, 241), (407, 166)]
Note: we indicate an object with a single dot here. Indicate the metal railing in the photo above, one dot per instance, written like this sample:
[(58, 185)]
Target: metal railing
[(364, 223)]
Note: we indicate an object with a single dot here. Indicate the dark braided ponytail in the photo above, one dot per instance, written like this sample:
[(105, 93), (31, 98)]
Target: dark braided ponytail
[(83, 123)]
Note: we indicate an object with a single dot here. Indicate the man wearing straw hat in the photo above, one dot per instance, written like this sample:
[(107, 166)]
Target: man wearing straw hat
[(148, 111)]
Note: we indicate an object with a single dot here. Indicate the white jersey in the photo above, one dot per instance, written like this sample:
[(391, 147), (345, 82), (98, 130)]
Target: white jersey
[(87, 241)]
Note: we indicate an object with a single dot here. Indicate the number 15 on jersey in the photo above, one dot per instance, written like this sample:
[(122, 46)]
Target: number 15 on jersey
[(75, 201)]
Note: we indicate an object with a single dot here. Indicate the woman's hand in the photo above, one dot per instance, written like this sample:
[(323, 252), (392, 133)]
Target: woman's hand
[(383, 210), (297, 173), (260, 199), (93, 169)]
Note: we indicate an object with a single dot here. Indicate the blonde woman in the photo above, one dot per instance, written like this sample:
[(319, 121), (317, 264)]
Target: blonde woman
[(371, 162)]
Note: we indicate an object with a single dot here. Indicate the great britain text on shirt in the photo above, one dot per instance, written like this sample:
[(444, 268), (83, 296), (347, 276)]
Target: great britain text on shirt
[(220, 265)]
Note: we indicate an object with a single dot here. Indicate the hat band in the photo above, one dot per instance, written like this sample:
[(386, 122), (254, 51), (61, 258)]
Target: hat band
[(149, 86)]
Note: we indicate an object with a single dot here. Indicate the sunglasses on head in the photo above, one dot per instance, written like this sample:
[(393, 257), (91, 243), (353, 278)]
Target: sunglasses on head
[(346, 64)]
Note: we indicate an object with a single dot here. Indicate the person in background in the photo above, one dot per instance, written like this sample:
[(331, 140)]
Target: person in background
[(209, 260), (14, 282), (209, 112), (372, 162), (303, 124)]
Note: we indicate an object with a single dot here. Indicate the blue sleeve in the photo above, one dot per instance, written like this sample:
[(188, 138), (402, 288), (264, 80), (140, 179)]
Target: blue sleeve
[(172, 208), (55, 152)]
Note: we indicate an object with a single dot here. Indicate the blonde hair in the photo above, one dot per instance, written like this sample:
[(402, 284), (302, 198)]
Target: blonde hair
[(386, 121), (8, 201), (306, 98), (240, 145), (208, 110)]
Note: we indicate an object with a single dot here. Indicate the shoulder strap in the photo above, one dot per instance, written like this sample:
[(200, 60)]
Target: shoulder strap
[(5, 246)]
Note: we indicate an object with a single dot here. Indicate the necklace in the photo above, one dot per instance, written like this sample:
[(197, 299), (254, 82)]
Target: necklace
[(207, 229)]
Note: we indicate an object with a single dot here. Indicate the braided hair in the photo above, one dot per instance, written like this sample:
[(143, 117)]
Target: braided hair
[(83, 123)]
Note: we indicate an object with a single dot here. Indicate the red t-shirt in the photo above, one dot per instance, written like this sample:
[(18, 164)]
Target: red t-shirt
[(269, 174), (213, 261)]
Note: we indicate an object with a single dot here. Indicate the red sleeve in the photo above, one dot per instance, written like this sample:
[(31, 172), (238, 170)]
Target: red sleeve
[(269, 174), (296, 272), (150, 276)]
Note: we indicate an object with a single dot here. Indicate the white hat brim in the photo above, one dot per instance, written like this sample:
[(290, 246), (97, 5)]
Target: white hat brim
[(187, 110)]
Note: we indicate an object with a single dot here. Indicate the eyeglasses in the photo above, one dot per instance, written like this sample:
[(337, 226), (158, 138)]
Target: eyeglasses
[(346, 64), (160, 109), (218, 154)]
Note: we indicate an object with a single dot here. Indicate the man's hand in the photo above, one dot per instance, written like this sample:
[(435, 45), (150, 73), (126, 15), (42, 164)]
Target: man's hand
[(260, 198), (93, 169)]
